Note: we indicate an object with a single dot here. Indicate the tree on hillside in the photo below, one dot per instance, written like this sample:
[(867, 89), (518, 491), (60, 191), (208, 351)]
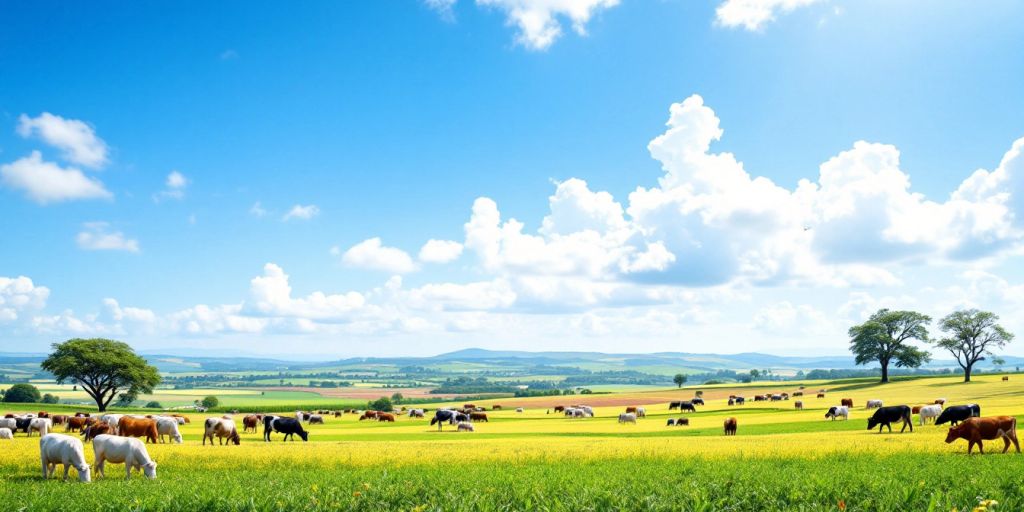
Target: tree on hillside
[(104, 368), (210, 402), (679, 379), (885, 336), (754, 374), (971, 335), (22, 393)]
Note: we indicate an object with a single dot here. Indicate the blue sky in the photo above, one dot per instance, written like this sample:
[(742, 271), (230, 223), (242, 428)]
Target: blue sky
[(407, 121)]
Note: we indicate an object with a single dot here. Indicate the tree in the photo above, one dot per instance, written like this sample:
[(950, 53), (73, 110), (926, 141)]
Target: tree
[(971, 335), (381, 404), (104, 368), (154, 405), (126, 399), (397, 398), (210, 402), (754, 374), (50, 399), (22, 393), (883, 338), (679, 379)]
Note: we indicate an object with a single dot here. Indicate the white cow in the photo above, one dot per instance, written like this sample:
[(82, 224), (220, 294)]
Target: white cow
[(416, 413), (112, 420), (587, 410), (9, 423), (61, 449), (220, 428), (122, 450), (41, 425), (874, 404), (839, 410), (465, 426), (929, 412), (641, 412), (6, 433), (168, 427), (627, 417)]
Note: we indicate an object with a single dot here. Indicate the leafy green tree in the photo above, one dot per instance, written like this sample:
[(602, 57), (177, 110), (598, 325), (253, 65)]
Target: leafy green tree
[(970, 336), (885, 336), (22, 393), (126, 399), (679, 379), (154, 405), (381, 404), (397, 398), (50, 399), (754, 374), (104, 368), (210, 402)]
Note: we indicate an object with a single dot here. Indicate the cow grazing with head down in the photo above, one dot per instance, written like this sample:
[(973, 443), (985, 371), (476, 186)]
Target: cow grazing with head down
[(65, 450), (884, 416), (416, 413), (317, 419), (559, 408), (874, 404), (697, 401), (821, 395), (687, 406), (848, 402), (221, 428), (836, 411), (975, 430), (673, 405), (731, 402), (138, 427), (1006, 378), (642, 412), (465, 426), (729, 426), (443, 416), (369, 415), (120, 450), (250, 422), (480, 416), (383, 416), (96, 429), (627, 417), (956, 413), (287, 426)]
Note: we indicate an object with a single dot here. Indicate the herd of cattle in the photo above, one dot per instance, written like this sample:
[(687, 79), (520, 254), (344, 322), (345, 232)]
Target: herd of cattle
[(116, 437)]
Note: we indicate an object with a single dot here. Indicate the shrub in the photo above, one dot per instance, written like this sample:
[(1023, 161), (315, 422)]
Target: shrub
[(50, 399), (210, 402), (22, 393), (154, 405), (381, 404)]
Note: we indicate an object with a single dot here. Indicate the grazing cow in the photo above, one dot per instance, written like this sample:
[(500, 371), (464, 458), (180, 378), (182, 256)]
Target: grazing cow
[(559, 408), (729, 426), (23, 424), (836, 411), (671, 422), (95, 429), (682, 421), (915, 409), (222, 428), (168, 427), (442, 416), (287, 426), (821, 395), (974, 430), (873, 404), (928, 412), (114, 420), (465, 426), (495, 407), (740, 400), (956, 413), (884, 416), (798, 393), (482, 416), (940, 401), (642, 412), (776, 398), (732, 401), (416, 413), (337, 414), (5, 433), (758, 398), (687, 406), (319, 420), (123, 450), (519, 409), (383, 416), (697, 401), (9, 423), (1006, 378), (59, 419), (43, 414), (627, 417), (66, 450), (251, 421), (631, 409), (469, 406), (184, 419), (369, 415), (674, 405), (799, 404), (847, 402), (138, 427)]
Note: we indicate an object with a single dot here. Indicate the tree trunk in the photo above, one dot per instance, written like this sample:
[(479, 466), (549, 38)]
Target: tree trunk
[(885, 371), (967, 372)]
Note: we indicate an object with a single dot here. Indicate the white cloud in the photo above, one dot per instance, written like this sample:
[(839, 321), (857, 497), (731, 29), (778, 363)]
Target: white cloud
[(440, 251), (96, 236), (76, 140), (754, 14), (46, 182), (785, 318), (485, 295), (129, 314), (445, 8), (174, 187), (18, 294), (371, 254), (538, 21), (301, 212), (270, 295)]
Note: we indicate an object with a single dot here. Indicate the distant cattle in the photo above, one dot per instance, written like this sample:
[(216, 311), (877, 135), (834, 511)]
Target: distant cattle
[(221, 428), (731, 401), (41, 425), (519, 409), (798, 393), (495, 407), (873, 404), (687, 406), (627, 417), (168, 427), (138, 427), (469, 406), (443, 416), (884, 416), (975, 430), (58, 419), (65, 450), (368, 415), (317, 419), (799, 405), (121, 450), (287, 426), (559, 408), (674, 405), (821, 395), (183, 418), (416, 413), (631, 409), (759, 398), (23, 424), (250, 422), (957, 413), (697, 401), (928, 412), (848, 402), (740, 400), (678, 422), (465, 426), (775, 398), (5, 433), (729, 426), (940, 401), (671, 422), (96, 429), (1006, 378), (388, 417), (836, 411), (642, 412), (478, 416), (915, 409)]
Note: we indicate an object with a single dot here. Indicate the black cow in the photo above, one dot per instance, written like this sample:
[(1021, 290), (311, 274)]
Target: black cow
[(740, 400), (287, 426), (956, 413), (673, 405), (23, 424), (697, 401), (687, 406), (886, 415)]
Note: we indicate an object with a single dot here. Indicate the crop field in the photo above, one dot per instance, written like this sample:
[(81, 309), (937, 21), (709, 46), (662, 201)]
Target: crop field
[(781, 459)]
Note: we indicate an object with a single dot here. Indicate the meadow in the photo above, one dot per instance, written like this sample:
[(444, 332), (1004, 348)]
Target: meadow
[(781, 459)]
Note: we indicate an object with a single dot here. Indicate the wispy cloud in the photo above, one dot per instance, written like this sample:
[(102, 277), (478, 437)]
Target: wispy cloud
[(97, 236), (301, 212)]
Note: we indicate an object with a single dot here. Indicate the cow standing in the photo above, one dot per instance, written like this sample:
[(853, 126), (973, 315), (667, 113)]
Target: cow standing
[(884, 416), (974, 430)]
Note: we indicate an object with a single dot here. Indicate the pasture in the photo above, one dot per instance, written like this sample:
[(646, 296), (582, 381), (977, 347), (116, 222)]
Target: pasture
[(781, 459)]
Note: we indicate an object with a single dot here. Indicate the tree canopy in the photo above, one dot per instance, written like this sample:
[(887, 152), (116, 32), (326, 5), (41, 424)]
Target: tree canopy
[(679, 379), (22, 393), (102, 367), (885, 336), (970, 336)]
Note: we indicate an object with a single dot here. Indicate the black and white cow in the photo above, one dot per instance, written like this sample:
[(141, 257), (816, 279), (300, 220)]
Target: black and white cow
[(287, 426), (956, 413), (886, 415), (445, 415)]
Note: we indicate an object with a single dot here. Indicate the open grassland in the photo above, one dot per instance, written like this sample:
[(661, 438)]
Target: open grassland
[(782, 459)]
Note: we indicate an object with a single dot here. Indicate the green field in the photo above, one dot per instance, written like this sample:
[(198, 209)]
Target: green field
[(782, 459)]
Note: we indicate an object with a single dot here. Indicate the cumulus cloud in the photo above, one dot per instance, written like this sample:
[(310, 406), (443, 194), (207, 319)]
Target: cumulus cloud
[(440, 251), (754, 14), (97, 236), (444, 8), (46, 182), (299, 212), (18, 294), (76, 140), (271, 295), (539, 22), (128, 313), (373, 255), (174, 187)]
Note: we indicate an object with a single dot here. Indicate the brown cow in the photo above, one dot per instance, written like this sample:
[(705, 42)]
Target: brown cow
[(94, 429), (368, 415), (847, 402), (383, 416), (182, 417), (43, 414), (821, 395), (682, 421), (337, 414), (250, 421), (798, 393), (974, 430), (799, 404), (468, 406), (76, 424), (495, 407), (730, 426), (940, 401), (558, 408), (1006, 378), (915, 409), (631, 409), (478, 416), (137, 427), (58, 419)]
